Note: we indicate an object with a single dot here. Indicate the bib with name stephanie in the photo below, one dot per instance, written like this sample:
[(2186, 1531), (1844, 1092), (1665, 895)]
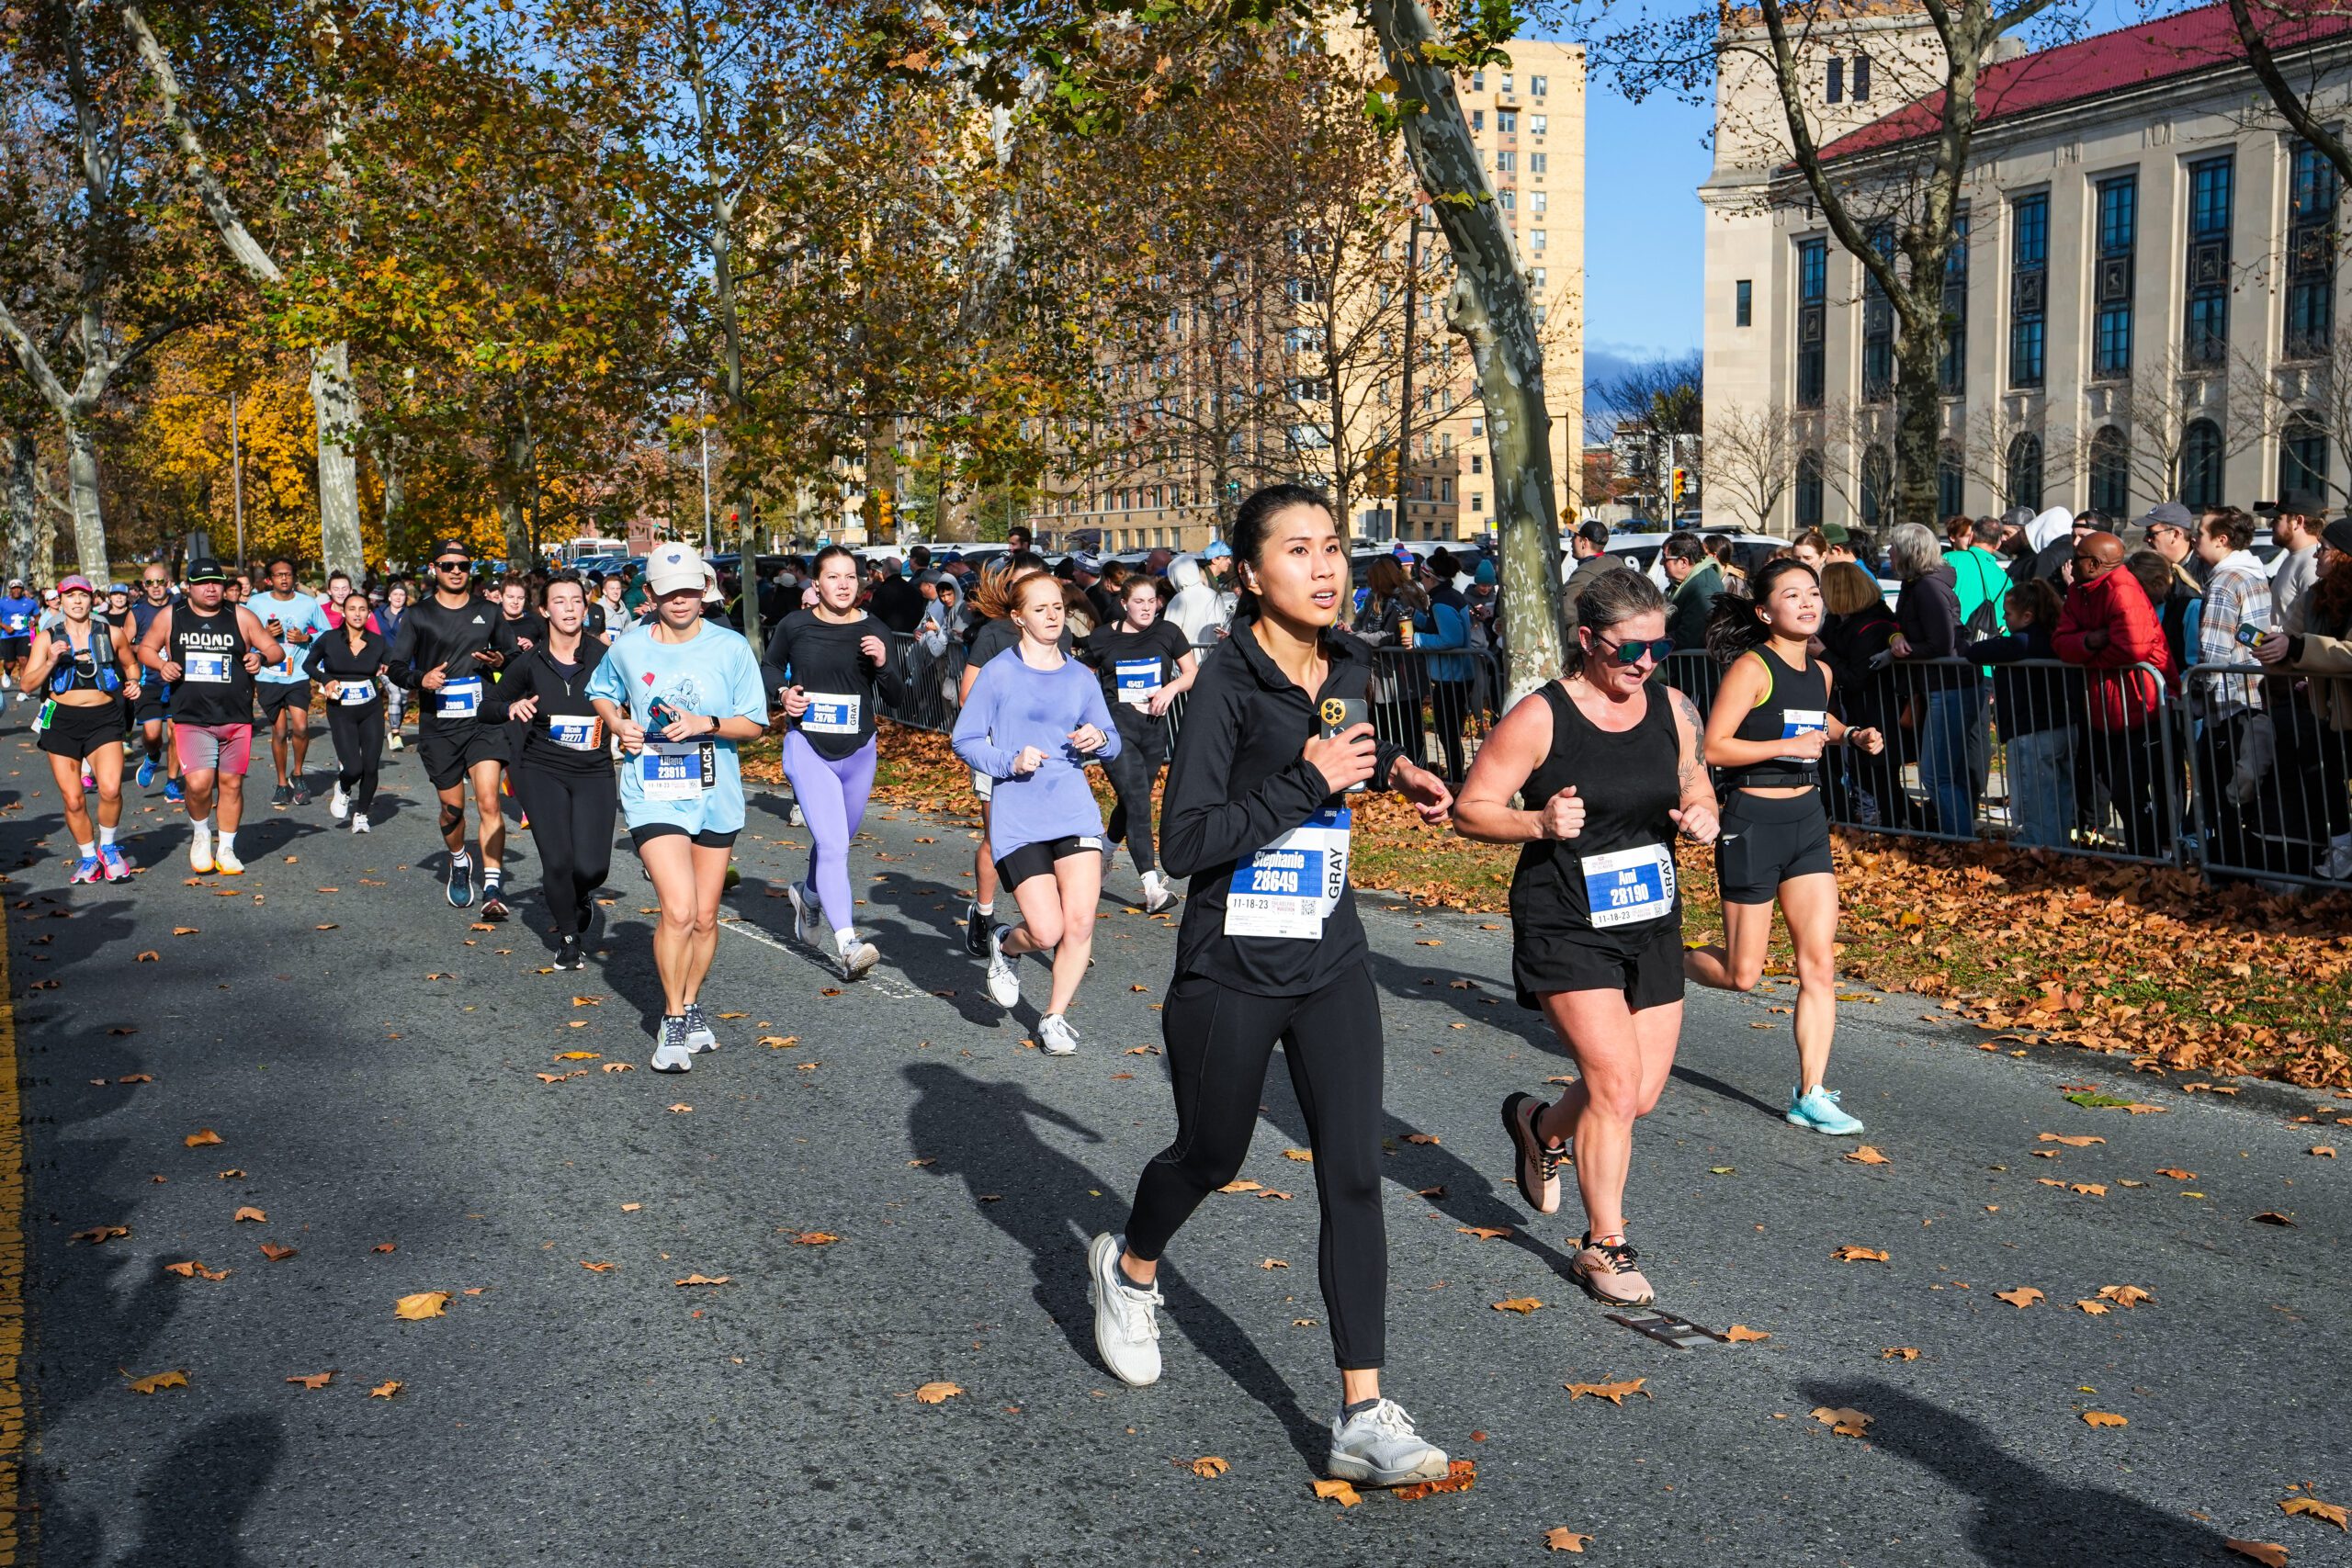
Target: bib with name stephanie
[(1290, 887)]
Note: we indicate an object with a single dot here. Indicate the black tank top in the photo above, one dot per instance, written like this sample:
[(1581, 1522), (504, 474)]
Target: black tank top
[(1630, 783), (211, 651), (1795, 701)]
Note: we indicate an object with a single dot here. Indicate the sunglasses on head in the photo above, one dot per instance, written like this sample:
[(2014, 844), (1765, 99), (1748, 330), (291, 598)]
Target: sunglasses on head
[(1630, 653)]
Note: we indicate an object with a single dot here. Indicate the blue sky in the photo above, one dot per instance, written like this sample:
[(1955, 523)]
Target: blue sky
[(1641, 237)]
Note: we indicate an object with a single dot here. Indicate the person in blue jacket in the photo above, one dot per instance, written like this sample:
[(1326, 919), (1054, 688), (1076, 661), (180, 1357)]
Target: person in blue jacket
[(1446, 624)]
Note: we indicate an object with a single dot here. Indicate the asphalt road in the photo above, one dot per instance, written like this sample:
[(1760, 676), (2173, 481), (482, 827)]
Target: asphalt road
[(374, 1071)]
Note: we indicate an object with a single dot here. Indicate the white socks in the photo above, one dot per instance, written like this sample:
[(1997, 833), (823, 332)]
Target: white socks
[(203, 826), (106, 835), (843, 939), (90, 852), (229, 842)]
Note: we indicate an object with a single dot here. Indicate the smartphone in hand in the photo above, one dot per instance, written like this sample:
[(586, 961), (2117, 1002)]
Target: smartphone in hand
[(1337, 714)]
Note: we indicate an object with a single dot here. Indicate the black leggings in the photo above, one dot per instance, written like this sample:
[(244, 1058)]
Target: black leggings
[(572, 823), (1131, 774), (359, 748), (1218, 1040)]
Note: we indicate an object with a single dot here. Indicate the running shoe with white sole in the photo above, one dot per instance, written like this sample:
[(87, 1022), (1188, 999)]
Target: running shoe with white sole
[(1126, 1316), (1156, 897), (1604, 1271), (338, 804), (804, 916), (281, 796), (570, 956), (1379, 1447), (670, 1051), (360, 822), (700, 1036), (461, 884), (857, 958), (173, 791), (1817, 1111), (200, 853), (1056, 1037), (86, 869), (394, 743), (302, 793), (225, 860), (493, 899), (1537, 1167), (117, 869), (146, 775), (976, 930), (1004, 984)]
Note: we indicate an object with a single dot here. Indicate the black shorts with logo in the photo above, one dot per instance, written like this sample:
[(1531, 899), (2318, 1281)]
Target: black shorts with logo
[(452, 751)]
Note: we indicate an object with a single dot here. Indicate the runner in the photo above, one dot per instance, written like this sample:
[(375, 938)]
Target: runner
[(991, 633), (152, 708), (1611, 762), (613, 616), (1275, 740), (682, 692), (443, 652), (295, 620), (1032, 724), (348, 663), (17, 612), (560, 772), (837, 658), (388, 617), (1145, 664), (206, 652), (1771, 723), (89, 667)]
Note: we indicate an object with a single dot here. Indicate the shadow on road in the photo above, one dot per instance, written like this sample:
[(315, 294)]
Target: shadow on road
[(2026, 1518), (981, 1133), (195, 1498)]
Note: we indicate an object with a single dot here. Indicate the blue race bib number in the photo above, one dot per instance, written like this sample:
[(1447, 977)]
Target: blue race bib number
[(206, 669), (1137, 680), (1628, 888), (831, 714), (1803, 721), (459, 699), (671, 773), (1290, 887), (355, 694), (576, 733)]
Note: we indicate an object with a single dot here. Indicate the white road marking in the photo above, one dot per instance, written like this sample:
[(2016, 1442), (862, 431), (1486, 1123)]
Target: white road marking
[(876, 979)]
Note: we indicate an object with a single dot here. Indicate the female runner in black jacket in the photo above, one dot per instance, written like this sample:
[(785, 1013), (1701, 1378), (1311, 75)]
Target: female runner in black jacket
[(348, 665), (1275, 737)]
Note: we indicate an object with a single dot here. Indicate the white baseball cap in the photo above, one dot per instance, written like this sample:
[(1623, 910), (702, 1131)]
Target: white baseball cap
[(673, 567)]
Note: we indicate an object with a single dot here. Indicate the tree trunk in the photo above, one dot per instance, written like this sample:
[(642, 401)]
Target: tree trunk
[(880, 511), (747, 572), (1918, 429), (1489, 308), (89, 525), (340, 547), (24, 504)]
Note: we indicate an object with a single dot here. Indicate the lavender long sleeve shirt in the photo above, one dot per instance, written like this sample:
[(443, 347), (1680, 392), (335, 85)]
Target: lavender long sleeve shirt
[(1014, 705)]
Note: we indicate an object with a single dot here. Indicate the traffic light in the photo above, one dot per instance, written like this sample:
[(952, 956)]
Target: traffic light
[(1681, 476)]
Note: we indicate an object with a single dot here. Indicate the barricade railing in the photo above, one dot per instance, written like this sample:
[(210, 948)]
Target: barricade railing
[(2269, 774)]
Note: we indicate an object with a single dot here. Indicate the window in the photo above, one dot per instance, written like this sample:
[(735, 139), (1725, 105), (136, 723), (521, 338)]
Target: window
[(1860, 77), (1813, 321), (2201, 465), (1538, 123), (2110, 472), (1535, 278), (1506, 198), (1538, 86), (1536, 163), (1743, 307), (1535, 199), (1836, 80), (1477, 462), (1878, 486), (1477, 119), (2025, 471), (1951, 364), (1950, 482), (2302, 457), (1507, 92), (2119, 228), (1878, 328), (1478, 500), (1506, 163), (2029, 293), (1445, 491), (1478, 81), (2205, 338), (1808, 490), (2311, 254), (1535, 238), (1507, 121)]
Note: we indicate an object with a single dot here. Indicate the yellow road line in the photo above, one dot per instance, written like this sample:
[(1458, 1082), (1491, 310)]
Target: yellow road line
[(15, 1531)]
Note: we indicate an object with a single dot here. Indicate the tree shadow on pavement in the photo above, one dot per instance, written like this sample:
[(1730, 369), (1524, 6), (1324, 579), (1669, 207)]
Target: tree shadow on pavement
[(981, 1132), (197, 1497), (2026, 1518)]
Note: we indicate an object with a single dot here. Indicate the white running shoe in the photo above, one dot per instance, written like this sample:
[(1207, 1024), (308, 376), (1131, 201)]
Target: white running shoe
[(394, 742), (1126, 1320), (199, 850), (671, 1052), (857, 958), (804, 916), (1156, 896), (225, 861), (338, 804), (1056, 1037), (360, 822), (700, 1036), (1005, 984), (1379, 1447)]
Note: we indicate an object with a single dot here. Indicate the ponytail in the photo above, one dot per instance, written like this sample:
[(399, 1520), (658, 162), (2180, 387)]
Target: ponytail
[(1734, 625)]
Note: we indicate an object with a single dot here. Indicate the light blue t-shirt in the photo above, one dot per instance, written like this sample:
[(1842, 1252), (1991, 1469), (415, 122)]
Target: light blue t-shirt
[(712, 673), (301, 613)]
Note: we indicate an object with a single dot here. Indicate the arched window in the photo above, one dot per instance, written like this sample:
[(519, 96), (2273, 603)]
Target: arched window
[(1951, 485), (1878, 486), (2201, 465), (2110, 472), (2025, 471), (2303, 458), (1808, 495)]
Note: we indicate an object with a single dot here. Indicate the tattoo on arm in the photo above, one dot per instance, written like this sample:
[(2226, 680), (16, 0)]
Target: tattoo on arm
[(1693, 773)]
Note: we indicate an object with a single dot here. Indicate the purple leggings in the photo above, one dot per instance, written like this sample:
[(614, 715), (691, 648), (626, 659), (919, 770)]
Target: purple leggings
[(833, 797)]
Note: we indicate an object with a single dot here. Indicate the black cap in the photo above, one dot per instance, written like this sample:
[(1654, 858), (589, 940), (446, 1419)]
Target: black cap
[(452, 546), (2337, 536), (204, 569)]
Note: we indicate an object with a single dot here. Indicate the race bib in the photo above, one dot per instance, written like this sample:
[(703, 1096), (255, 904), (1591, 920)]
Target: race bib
[(1291, 887), (459, 699), (1629, 886), (1137, 680), (355, 694), (1802, 721), (673, 772), (206, 669), (576, 732), (830, 714)]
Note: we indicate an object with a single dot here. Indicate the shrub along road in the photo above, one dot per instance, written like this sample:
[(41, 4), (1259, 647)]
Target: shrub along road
[(895, 1190)]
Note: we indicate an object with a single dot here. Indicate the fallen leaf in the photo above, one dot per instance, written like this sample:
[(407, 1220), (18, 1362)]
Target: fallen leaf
[(1484, 1233), (681, 1107), (150, 956), (385, 1247), (144, 1077), (1614, 1392), (815, 1238), (1208, 1466), (1845, 1422), (329, 926), (2267, 1552), (184, 931), (312, 1379), (1859, 1255), (99, 1235), (157, 1380), (200, 1137), (384, 1390), (577, 1055), (2105, 1418), (248, 1212), (2177, 1173), (2021, 1297), (1461, 1474), (779, 1042), (1866, 1155), (587, 1002), (1422, 1139), (551, 1077), (1339, 1490), (2126, 1295), (1560, 1538), (1520, 1305), (1899, 1353), (1245, 1185), (2090, 1188), (596, 1268), (937, 1393), (276, 1252), (704, 1280), (422, 1305), (631, 1208), (1740, 1334), (620, 1067), (2097, 1309), (1297, 1154), (2331, 1512), (2272, 1217), (2082, 1141)]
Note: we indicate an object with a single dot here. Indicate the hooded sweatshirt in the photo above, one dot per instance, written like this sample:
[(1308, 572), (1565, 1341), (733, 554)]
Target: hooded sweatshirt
[(2051, 538), (1196, 609)]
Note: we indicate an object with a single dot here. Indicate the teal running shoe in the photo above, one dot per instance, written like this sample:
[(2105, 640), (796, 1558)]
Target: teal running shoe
[(1819, 1111)]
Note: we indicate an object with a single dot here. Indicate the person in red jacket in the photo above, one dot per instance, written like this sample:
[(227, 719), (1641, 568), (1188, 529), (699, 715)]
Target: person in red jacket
[(2110, 627)]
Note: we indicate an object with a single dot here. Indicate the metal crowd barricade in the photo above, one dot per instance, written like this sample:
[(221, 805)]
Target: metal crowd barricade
[(2269, 773)]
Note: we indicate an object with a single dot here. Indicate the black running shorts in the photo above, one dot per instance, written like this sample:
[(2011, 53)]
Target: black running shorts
[(450, 754), (1037, 859), (1765, 843)]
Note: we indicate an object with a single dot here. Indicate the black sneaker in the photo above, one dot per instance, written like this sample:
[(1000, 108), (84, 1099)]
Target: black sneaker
[(569, 955), (461, 884), (282, 795), (976, 932), (302, 793)]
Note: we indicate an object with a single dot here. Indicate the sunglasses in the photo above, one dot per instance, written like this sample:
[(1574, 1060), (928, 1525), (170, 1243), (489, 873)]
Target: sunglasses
[(1631, 653), (453, 566)]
